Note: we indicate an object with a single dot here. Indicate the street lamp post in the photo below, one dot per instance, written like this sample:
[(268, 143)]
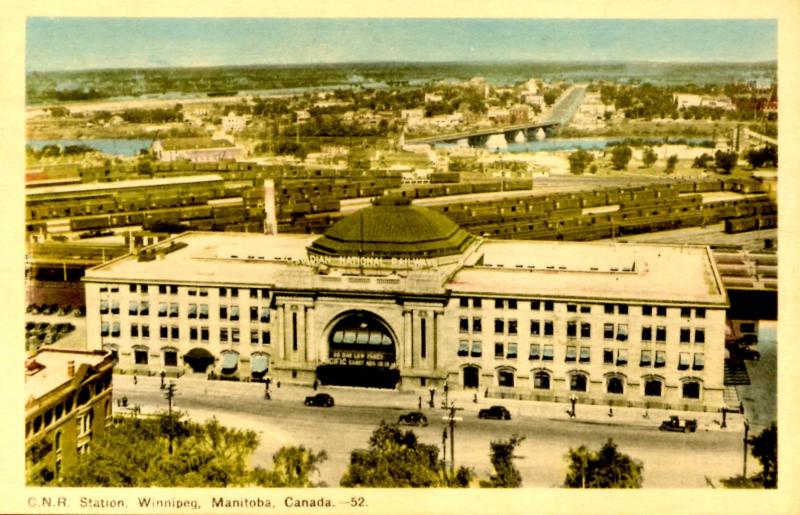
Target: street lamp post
[(444, 449), (170, 394), (446, 403), (744, 456), (573, 399)]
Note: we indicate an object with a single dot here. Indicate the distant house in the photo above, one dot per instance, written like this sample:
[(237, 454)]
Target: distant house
[(196, 150), (684, 100), (233, 123)]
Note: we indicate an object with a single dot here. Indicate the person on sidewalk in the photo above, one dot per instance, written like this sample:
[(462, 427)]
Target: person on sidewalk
[(420, 403)]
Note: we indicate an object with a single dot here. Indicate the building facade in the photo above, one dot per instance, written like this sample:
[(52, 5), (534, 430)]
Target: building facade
[(68, 404), (196, 150), (400, 296)]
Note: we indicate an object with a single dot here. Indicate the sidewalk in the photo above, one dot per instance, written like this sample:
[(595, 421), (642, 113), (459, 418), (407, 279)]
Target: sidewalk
[(409, 401)]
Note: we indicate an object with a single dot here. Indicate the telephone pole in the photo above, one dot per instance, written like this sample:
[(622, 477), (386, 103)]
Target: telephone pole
[(170, 394)]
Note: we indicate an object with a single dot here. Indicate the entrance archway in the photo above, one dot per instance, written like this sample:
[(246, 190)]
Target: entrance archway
[(198, 359), (362, 352), (471, 377)]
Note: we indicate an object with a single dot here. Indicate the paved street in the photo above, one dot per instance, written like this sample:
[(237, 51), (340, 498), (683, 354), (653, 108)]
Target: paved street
[(759, 397), (670, 459)]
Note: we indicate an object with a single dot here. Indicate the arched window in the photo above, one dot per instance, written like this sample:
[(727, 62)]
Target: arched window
[(691, 390), (541, 381), (471, 377), (653, 387), (577, 382), (615, 385), (505, 377)]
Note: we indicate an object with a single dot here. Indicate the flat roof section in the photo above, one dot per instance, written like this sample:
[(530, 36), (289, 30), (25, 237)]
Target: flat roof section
[(121, 185), (48, 369)]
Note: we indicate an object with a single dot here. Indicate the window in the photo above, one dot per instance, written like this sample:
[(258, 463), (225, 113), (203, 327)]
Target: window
[(173, 290), (535, 328), (253, 336), (661, 311), (547, 353), (615, 385), (223, 334), (536, 305), (572, 308), (499, 350), (203, 311), (223, 292), (622, 357), (647, 333), (463, 302), (652, 388), (512, 304), (170, 358), (499, 326), (608, 331), (571, 355), (586, 309), (577, 383), (463, 348), (145, 331), (140, 357), (691, 390), (134, 330), (463, 324), (132, 288), (235, 313), (144, 308), (143, 288), (133, 308), (647, 358), (193, 333), (175, 332), (253, 312), (498, 303), (192, 311), (253, 293), (622, 332), (477, 303), (535, 352), (572, 329), (608, 309), (700, 312), (647, 311), (264, 315), (661, 359), (173, 310), (661, 334), (541, 381), (622, 309), (235, 335), (162, 309), (115, 329), (103, 306), (476, 325), (683, 361), (204, 334), (585, 355), (223, 312), (265, 338), (192, 292), (608, 355), (512, 327), (699, 361), (203, 292), (686, 312), (686, 335), (548, 328), (699, 335), (103, 328), (548, 305), (505, 378), (476, 349), (586, 330), (162, 289), (512, 351), (115, 307)]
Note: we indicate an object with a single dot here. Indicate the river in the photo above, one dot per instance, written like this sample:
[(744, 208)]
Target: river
[(118, 147)]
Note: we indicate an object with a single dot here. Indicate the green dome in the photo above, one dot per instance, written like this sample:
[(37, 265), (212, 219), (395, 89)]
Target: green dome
[(393, 230)]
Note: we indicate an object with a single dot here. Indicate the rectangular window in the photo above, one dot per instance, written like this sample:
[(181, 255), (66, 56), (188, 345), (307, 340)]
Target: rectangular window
[(571, 354), (191, 292), (572, 308), (463, 348), (253, 293), (265, 338), (548, 328), (143, 288), (463, 324), (512, 326), (253, 313), (203, 311), (536, 305), (115, 329), (661, 334), (499, 350), (235, 335), (661, 311), (133, 308), (646, 359), (700, 312), (163, 332), (585, 355), (548, 305), (144, 308), (608, 331), (499, 326), (476, 349), (203, 292), (145, 331), (586, 330), (512, 304), (103, 307), (535, 352), (115, 307), (535, 328), (173, 310), (192, 311), (234, 292), (173, 290), (223, 312), (294, 331), (140, 357), (162, 309), (132, 288), (622, 357), (608, 309), (622, 309), (699, 335), (235, 313), (175, 332), (498, 303), (193, 333), (476, 325), (223, 292), (204, 334), (477, 303), (547, 352), (686, 335), (423, 339), (683, 361), (134, 330), (170, 358), (223, 334), (103, 328), (512, 351), (572, 329), (608, 355), (686, 312), (622, 332), (586, 309), (647, 311), (162, 289), (264, 315), (647, 333), (253, 335), (661, 358), (463, 302), (699, 361)]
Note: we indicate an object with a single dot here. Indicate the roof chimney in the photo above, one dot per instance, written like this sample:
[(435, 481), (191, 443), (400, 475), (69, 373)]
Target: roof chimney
[(70, 368)]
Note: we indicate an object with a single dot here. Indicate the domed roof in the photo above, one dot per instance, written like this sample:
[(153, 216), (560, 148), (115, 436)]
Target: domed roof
[(393, 228)]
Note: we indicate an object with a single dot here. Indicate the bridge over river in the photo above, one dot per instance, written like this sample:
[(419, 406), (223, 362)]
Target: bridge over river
[(559, 114)]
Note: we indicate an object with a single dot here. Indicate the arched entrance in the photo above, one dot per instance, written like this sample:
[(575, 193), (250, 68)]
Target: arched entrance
[(471, 377), (198, 359), (362, 352)]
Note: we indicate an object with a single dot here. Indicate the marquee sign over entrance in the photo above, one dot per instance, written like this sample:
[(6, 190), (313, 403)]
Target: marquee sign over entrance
[(361, 358)]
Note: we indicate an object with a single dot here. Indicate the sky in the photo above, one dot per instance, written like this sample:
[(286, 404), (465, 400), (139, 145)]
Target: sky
[(91, 43)]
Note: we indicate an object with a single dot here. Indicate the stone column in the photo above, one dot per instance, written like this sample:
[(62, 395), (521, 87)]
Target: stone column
[(281, 332)]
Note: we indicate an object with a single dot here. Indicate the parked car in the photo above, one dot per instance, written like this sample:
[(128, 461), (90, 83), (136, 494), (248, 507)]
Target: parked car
[(320, 399), (675, 423), (414, 418), (495, 412)]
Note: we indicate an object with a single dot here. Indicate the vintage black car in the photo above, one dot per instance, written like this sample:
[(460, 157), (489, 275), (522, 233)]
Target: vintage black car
[(321, 399), (674, 423), (495, 412), (414, 418)]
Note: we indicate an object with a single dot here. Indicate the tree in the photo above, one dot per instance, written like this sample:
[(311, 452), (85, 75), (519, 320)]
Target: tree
[(292, 468), (648, 157), (702, 161), (671, 162), (579, 160), (725, 161), (505, 474), (397, 459), (620, 156), (762, 157), (606, 468), (765, 449)]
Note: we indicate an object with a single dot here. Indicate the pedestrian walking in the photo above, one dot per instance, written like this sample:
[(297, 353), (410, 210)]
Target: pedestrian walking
[(267, 382), (420, 402), (135, 380), (315, 384), (475, 398)]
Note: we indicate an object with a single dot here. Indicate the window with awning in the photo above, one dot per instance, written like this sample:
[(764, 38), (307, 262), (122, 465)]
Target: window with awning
[(230, 361), (259, 364)]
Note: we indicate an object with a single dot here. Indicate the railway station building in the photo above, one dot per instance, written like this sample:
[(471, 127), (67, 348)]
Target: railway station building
[(399, 296)]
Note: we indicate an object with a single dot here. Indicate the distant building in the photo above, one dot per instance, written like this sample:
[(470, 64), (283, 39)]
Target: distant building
[(532, 87), (233, 123), (532, 99), (68, 404), (196, 150), (684, 100), (432, 97)]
